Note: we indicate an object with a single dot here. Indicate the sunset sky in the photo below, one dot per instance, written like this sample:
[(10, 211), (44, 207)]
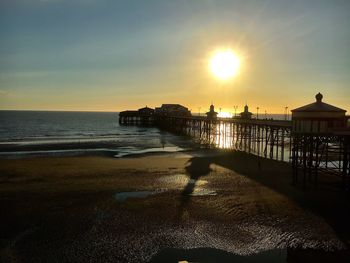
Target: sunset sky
[(114, 55)]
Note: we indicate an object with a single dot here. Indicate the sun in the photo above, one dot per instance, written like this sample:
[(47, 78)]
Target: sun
[(225, 64)]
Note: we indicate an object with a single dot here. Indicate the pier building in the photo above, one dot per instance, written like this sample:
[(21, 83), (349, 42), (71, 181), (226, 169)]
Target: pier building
[(246, 114), (212, 114)]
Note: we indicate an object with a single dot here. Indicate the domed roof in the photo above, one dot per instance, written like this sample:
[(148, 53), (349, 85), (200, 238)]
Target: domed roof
[(318, 106), (319, 97)]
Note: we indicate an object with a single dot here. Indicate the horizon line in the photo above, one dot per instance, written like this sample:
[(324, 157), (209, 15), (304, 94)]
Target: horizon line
[(107, 111)]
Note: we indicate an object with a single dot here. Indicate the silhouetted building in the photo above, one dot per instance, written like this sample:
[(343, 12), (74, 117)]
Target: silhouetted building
[(146, 111), (172, 110), (246, 114), (318, 117), (140, 116), (129, 113), (212, 114)]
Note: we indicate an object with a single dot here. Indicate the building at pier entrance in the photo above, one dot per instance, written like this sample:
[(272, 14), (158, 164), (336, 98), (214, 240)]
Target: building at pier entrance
[(318, 117)]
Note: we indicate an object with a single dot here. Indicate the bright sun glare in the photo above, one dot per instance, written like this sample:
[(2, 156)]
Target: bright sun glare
[(225, 64), (224, 114)]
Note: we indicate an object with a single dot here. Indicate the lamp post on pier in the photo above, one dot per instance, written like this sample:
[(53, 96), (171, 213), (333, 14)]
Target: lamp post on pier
[(235, 107), (257, 113), (286, 113)]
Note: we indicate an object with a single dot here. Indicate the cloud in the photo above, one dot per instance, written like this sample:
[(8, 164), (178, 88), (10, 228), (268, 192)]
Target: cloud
[(3, 92)]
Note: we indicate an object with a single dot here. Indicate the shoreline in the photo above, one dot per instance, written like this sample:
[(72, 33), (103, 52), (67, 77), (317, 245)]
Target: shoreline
[(214, 199), (99, 148)]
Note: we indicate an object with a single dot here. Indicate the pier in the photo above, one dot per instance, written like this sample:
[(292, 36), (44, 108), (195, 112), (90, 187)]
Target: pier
[(266, 138), (316, 140)]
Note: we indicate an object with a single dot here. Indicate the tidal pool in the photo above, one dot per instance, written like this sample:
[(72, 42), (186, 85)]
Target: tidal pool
[(123, 196)]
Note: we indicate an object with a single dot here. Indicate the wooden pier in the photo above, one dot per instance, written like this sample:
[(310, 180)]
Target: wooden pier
[(309, 154), (267, 138), (314, 154), (313, 145)]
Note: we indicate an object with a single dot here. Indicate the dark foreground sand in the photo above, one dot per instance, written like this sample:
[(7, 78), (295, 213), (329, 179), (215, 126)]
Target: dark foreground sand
[(66, 209)]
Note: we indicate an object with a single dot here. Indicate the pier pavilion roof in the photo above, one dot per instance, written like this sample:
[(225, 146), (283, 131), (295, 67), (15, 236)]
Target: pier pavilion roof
[(173, 106), (128, 113), (172, 110), (246, 114), (319, 106), (212, 114), (146, 111)]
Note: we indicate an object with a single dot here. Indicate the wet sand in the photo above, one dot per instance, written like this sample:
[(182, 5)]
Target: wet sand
[(199, 206)]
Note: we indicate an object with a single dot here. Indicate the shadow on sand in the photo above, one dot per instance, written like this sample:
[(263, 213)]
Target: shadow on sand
[(197, 168), (327, 200)]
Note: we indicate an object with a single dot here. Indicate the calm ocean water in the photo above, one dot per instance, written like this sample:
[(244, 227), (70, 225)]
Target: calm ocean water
[(50, 132), (26, 132)]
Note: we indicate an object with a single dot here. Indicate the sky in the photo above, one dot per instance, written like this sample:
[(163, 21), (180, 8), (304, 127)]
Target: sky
[(110, 55)]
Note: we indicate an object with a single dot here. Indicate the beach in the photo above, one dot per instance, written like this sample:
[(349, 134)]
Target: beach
[(194, 205), (174, 131)]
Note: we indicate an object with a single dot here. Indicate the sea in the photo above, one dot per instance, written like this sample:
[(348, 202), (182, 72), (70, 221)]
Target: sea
[(32, 133)]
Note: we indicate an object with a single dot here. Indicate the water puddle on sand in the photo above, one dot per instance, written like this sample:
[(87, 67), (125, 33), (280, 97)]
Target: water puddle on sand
[(174, 180), (211, 255), (123, 196), (202, 192), (181, 181)]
